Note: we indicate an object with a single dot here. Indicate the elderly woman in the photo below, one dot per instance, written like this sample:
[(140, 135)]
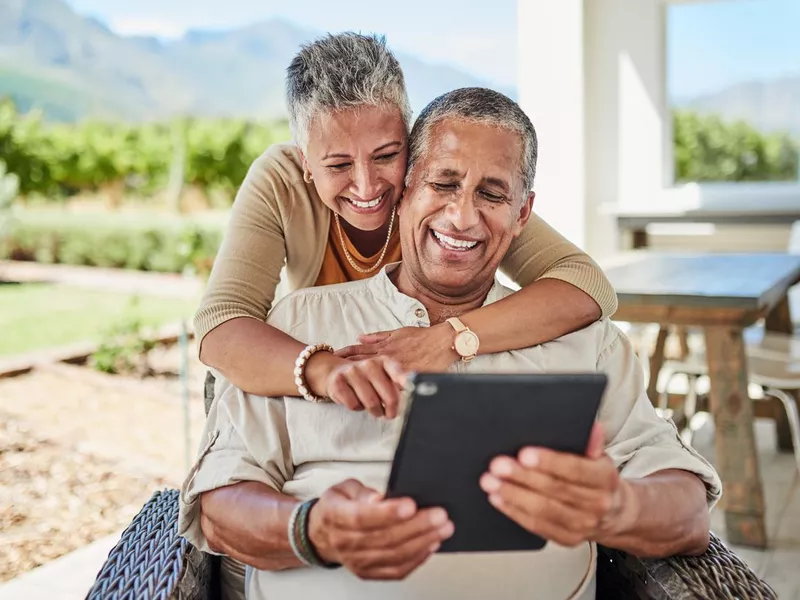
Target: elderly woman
[(325, 208)]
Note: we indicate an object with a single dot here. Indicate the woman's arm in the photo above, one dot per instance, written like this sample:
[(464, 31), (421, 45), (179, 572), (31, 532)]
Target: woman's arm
[(563, 290), (234, 339)]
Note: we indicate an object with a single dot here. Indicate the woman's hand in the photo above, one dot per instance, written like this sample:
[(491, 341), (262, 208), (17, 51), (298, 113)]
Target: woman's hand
[(373, 383), (413, 348)]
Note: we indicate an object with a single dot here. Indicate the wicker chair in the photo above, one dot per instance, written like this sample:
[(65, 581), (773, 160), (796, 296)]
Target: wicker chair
[(150, 562)]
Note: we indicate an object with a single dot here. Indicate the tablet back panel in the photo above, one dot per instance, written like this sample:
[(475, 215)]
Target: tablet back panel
[(457, 423)]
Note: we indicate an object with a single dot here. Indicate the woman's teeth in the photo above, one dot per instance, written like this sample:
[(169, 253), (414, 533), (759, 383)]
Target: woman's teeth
[(453, 243), (367, 204)]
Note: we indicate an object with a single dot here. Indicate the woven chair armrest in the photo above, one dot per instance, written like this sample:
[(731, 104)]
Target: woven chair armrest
[(151, 562), (717, 574)]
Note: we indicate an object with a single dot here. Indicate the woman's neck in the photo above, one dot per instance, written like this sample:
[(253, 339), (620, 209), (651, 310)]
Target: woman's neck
[(368, 243)]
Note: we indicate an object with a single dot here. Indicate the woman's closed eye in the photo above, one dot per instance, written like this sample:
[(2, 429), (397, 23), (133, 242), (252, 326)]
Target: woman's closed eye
[(387, 157)]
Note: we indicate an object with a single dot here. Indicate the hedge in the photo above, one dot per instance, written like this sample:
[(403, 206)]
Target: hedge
[(154, 242)]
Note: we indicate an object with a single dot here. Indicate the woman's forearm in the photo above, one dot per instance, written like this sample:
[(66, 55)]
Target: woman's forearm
[(249, 521), (540, 312), (668, 515), (254, 356)]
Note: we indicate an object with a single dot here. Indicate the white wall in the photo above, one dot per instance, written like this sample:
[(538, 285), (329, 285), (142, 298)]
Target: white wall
[(592, 79)]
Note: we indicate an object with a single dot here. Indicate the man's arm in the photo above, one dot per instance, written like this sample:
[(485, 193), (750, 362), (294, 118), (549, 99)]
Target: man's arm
[(349, 525), (665, 514), (249, 521), (231, 504), (638, 488), (571, 499)]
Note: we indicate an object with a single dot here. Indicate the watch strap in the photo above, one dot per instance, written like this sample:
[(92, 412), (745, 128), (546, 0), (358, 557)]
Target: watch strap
[(456, 324)]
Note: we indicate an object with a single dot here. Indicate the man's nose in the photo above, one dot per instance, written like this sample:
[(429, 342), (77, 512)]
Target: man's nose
[(462, 213), (366, 183)]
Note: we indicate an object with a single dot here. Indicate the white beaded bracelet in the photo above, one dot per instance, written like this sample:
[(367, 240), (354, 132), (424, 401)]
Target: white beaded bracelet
[(300, 370)]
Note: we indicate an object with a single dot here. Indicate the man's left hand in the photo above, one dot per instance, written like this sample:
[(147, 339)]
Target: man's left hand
[(414, 348), (562, 497)]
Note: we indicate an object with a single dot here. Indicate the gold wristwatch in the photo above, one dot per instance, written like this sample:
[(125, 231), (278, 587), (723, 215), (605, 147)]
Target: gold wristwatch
[(466, 342)]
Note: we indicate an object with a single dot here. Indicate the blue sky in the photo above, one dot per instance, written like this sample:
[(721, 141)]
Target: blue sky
[(711, 44)]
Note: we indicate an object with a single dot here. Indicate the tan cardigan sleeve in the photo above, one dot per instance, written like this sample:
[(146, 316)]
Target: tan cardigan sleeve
[(541, 252), (248, 265)]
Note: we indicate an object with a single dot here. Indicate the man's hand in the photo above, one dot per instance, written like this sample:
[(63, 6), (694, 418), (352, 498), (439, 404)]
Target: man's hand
[(375, 538), (563, 497), (373, 384)]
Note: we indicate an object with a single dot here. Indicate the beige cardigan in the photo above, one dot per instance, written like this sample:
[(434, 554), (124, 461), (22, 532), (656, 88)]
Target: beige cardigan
[(279, 219)]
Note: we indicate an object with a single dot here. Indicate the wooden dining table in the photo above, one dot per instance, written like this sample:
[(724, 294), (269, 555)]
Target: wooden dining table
[(722, 294)]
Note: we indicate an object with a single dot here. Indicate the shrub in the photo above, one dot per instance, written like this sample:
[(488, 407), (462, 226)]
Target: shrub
[(163, 243)]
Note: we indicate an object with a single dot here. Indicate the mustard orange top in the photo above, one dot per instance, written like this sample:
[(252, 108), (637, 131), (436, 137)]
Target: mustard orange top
[(335, 267)]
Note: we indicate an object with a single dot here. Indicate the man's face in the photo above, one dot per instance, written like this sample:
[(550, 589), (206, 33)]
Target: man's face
[(465, 203)]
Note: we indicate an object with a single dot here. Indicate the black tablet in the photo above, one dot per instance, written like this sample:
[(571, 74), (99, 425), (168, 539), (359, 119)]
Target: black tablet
[(456, 423)]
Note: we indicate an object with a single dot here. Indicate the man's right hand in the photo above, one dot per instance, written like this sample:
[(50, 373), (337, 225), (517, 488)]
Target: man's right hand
[(373, 384), (375, 538)]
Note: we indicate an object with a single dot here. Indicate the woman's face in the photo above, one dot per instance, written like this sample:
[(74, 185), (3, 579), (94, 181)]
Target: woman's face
[(357, 158)]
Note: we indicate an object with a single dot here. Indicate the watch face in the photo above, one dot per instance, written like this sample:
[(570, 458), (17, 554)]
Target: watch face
[(466, 343)]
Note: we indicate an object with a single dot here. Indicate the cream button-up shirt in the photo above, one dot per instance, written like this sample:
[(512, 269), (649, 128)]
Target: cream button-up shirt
[(301, 449)]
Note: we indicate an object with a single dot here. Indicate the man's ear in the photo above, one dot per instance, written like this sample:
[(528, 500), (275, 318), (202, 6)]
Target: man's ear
[(525, 213)]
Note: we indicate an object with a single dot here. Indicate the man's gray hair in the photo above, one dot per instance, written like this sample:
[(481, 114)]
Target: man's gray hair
[(339, 71), (475, 105)]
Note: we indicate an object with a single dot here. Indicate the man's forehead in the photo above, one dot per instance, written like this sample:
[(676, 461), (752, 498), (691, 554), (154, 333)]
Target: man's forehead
[(456, 144)]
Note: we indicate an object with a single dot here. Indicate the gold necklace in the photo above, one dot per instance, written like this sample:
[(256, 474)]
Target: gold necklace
[(350, 258)]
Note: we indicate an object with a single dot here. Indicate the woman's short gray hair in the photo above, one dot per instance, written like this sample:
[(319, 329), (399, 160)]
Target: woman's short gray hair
[(476, 105), (343, 70)]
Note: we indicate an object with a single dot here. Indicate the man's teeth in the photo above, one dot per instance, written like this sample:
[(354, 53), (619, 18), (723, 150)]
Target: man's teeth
[(446, 240), (368, 204)]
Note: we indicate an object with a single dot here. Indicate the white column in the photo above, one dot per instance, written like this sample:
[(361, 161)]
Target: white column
[(592, 79), (551, 91)]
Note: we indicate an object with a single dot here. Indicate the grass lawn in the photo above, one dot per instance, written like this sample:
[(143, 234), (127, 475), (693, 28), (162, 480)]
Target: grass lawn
[(36, 316)]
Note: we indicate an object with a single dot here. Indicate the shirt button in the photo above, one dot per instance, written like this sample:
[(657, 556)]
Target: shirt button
[(419, 313)]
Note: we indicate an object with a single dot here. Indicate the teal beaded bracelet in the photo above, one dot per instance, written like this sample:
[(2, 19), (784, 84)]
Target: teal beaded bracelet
[(306, 547)]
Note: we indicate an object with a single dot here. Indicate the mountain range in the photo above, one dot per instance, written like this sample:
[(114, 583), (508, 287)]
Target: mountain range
[(772, 105), (72, 67)]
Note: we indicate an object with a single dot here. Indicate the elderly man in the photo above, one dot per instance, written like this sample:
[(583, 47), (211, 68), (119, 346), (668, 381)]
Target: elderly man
[(284, 483)]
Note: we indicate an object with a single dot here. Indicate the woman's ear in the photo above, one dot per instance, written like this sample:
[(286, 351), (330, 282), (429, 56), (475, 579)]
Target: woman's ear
[(304, 165)]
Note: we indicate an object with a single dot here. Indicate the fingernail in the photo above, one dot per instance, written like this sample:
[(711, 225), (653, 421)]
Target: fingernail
[(405, 510), (529, 457), (502, 467), (438, 517), (496, 500), (447, 530), (489, 483), (434, 547)]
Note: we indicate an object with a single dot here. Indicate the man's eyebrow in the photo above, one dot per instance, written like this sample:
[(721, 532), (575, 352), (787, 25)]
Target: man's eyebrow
[(497, 182), (447, 172)]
